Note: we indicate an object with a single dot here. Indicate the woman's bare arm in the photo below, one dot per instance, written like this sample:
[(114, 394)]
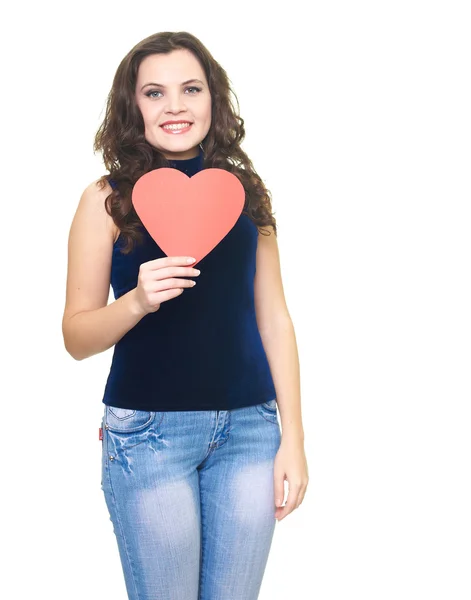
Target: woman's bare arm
[(278, 336), (90, 325)]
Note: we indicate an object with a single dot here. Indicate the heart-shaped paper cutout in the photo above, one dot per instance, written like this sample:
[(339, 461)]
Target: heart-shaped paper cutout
[(188, 216)]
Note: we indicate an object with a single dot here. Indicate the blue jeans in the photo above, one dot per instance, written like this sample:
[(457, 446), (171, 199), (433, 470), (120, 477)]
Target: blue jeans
[(191, 498)]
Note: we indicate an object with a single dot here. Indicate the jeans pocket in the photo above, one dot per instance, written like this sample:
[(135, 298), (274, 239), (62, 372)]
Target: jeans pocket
[(125, 428), (269, 410), (127, 420)]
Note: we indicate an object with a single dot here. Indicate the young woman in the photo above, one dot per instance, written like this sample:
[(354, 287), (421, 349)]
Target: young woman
[(194, 462)]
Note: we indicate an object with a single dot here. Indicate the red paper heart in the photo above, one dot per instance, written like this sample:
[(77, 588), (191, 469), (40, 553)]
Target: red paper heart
[(188, 216)]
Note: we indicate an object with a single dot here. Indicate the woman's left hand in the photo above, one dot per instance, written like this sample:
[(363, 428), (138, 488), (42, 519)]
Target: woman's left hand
[(290, 464)]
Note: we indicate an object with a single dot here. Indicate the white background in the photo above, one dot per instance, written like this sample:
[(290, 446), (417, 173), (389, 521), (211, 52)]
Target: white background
[(358, 121)]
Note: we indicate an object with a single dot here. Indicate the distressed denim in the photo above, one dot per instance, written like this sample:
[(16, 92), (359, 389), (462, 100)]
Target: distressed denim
[(190, 495)]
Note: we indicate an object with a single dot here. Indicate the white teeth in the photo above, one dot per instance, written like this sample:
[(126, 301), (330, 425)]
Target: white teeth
[(176, 126)]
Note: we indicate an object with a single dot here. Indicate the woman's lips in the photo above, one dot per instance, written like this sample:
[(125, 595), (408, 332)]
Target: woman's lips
[(178, 131)]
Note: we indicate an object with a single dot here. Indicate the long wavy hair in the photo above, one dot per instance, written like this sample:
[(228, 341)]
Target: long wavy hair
[(127, 155)]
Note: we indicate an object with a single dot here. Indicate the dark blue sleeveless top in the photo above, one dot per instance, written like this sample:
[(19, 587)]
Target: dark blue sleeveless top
[(201, 350)]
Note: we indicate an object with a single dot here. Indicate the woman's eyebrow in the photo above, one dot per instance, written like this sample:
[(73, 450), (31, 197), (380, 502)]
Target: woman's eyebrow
[(184, 83)]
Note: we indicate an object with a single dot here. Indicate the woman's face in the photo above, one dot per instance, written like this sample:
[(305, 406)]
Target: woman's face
[(162, 95)]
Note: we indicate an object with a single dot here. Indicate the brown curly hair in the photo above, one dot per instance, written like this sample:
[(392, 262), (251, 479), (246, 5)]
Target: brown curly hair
[(127, 155)]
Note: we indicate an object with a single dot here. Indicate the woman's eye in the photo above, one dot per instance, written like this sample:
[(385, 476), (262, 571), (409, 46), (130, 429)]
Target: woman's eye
[(149, 94)]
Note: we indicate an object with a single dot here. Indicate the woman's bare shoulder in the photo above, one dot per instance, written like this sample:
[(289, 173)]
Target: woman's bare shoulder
[(95, 195)]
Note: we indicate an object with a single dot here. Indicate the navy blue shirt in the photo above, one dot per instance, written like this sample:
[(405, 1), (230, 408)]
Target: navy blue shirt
[(201, 350)]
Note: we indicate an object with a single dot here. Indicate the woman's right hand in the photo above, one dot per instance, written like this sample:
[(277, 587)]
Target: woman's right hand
[(160, 280)]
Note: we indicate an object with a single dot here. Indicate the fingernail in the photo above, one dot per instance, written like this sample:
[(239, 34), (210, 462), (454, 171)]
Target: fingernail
[(278, 502), (190, 260)]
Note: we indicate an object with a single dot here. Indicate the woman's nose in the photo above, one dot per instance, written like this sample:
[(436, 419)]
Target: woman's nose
[(175, 103)]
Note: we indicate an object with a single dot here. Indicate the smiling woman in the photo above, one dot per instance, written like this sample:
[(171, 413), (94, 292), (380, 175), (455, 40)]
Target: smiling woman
[(190, 425), (176, 115)]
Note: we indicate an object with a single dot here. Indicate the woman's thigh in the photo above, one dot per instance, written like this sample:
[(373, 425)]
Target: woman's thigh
[(151, 487), (237, 503)]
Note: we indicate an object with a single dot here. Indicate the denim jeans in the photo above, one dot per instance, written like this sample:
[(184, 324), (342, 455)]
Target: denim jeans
[(190, 495)]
